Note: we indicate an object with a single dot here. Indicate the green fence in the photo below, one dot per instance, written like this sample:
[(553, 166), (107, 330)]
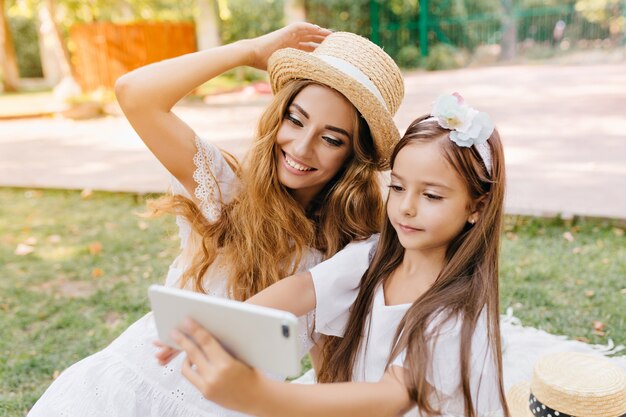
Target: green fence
[(470, 23)]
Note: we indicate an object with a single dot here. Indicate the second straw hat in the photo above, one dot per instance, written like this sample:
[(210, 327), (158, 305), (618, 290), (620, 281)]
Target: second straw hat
[(358, 69), (571, 384)]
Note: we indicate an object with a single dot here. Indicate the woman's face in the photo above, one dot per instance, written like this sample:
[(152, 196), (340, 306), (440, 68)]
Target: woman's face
[(314, 140)]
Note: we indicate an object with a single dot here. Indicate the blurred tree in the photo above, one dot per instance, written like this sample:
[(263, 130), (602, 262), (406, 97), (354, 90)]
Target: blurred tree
[(207, 24), (55, 57), (10, 73), (295, 11), (508, 44)]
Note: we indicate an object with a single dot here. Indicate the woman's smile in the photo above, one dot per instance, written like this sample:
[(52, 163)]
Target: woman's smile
[(294, 166)]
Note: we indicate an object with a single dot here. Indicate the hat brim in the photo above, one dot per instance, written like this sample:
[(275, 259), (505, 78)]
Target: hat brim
[(288, 64), (517, 400)]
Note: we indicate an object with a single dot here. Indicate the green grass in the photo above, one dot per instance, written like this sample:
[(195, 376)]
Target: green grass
[(93, 259)]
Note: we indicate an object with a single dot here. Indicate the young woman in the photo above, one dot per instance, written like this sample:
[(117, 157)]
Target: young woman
[(307, 187), (411, 317)]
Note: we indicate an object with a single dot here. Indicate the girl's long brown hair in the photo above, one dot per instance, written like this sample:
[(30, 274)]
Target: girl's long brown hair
[(467, 284), (263, 234)]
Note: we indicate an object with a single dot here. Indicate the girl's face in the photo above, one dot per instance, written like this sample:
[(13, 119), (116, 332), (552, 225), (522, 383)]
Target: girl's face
[(314, 140), (428, 203)]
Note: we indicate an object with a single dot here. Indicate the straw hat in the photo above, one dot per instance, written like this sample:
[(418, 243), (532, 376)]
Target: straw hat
[(571, 384), (358, 69)]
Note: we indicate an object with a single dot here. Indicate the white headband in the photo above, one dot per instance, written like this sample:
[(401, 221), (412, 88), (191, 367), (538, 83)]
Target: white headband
[(467, 125)]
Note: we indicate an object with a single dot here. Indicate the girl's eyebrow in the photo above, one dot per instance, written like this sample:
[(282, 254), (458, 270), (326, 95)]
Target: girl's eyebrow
[(427, 183), (329, 127)]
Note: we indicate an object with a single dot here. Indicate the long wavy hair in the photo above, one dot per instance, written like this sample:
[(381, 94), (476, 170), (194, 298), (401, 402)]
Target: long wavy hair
[(466, 286), (263, 234)]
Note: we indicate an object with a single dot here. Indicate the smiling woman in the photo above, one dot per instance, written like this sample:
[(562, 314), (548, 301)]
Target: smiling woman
[(314, 140), (308, 187)]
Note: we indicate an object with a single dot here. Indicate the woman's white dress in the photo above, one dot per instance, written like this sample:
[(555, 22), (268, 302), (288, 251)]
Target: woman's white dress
[(124, 379)]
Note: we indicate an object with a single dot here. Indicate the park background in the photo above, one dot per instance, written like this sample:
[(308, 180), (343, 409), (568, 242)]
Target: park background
[(76, 257)]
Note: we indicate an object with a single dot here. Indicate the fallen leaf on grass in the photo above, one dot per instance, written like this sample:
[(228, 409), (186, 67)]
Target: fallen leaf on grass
[(97, 272), (5, 308), (31, 241), (577, 250), (142, 225), (86, 193), (568, 236), (618, 232), (582, 339), (23, 249), (32, 194), (598, 326), (605, 261), (56, 374), (54, 239), (590, 293), (95, 248), (624, 291)]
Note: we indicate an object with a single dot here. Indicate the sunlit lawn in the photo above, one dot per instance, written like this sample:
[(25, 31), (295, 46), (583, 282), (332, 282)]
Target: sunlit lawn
[(84, 265)]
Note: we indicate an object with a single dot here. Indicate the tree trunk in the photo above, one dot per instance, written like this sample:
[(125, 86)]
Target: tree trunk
[(207, 25), (508, 44), (295, 11), (55, 58), (10, 71)]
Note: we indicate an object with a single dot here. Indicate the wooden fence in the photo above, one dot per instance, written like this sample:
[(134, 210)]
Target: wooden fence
[(102, 52)]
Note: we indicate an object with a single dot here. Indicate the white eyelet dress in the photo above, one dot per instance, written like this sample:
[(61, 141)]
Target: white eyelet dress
[(336, 283), (124, 379)]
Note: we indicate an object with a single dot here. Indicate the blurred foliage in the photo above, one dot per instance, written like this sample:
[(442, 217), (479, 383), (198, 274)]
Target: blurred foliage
[(341, 15), (25, 39), (443, 57), (240, 18), (409, 57)]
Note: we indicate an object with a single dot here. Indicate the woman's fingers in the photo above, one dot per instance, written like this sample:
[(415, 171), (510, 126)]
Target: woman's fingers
[(192, 376), (193, 351), (209, 345)]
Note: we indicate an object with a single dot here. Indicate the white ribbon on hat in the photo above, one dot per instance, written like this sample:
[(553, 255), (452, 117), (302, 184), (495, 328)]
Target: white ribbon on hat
[(355, 73)]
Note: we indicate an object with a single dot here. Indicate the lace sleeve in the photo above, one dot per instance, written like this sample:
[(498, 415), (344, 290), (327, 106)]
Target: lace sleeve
[(216, 182)]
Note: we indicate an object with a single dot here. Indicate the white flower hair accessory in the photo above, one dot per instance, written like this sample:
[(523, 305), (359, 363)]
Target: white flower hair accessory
[(468, 127)]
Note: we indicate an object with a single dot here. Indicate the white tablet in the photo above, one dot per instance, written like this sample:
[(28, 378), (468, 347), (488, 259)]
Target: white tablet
[(262, 337)]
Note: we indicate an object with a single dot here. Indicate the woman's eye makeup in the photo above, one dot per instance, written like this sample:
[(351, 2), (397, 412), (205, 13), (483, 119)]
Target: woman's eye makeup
[(333, 141), (294, 119)]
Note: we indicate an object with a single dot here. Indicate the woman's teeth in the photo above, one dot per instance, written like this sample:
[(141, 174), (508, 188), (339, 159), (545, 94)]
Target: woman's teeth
[(296, 165)]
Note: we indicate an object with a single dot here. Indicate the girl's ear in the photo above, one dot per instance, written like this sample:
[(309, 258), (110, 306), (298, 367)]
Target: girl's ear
[(476, 209)]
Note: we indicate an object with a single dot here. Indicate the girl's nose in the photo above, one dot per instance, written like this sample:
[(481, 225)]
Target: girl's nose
[(408, 206)]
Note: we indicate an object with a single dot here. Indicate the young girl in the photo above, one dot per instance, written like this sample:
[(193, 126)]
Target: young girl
[(307, 188), (411, 317)]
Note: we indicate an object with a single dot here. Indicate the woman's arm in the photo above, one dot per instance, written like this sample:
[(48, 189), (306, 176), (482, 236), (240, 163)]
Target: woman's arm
[(148, 94), (232, 384)]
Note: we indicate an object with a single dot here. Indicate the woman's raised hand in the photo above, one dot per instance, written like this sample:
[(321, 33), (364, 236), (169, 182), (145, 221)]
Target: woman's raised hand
[(301, 35)]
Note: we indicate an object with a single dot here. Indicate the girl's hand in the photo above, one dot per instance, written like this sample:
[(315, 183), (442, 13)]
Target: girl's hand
[(220, 377), (301, 35), (165, 353)]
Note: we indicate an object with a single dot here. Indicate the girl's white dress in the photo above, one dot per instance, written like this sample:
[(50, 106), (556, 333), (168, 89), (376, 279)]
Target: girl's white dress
[(124, 379), (336, 283)]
